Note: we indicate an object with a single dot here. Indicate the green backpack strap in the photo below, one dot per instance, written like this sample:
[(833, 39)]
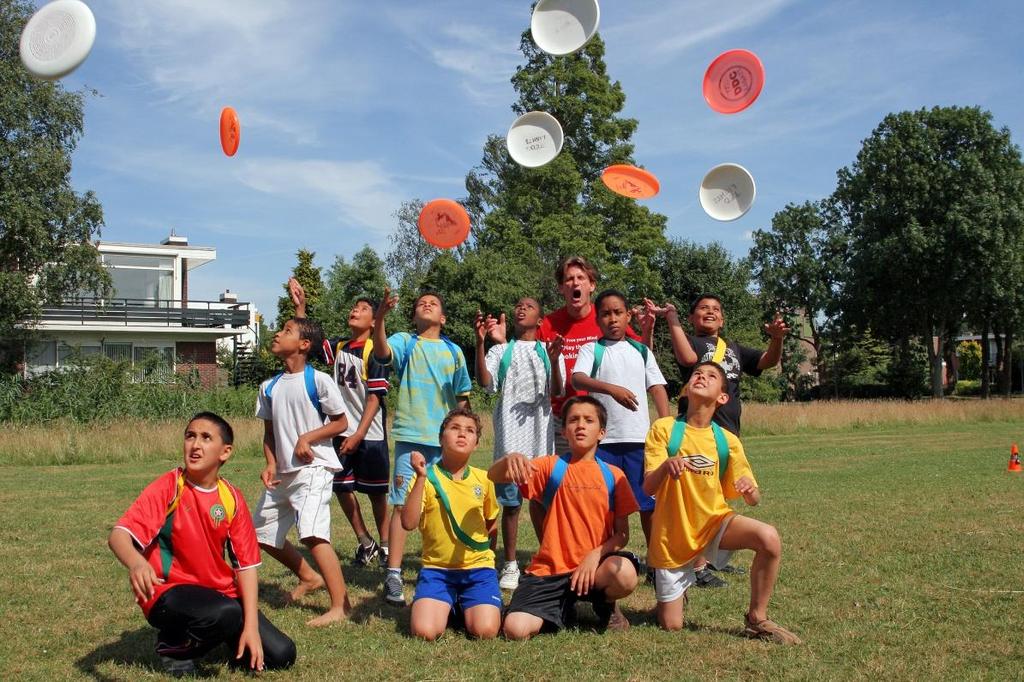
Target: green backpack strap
[(506, 361), (461, 535), (675, 442), (599, 354)]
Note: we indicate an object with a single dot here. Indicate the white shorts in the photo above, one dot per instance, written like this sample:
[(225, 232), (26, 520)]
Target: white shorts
[(302, 499), (671, 583)]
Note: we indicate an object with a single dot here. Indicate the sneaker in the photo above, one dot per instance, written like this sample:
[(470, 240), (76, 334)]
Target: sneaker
[(707, 578), (393, 590), (382, 557), (509, 577), (769, 631), (178, 667), (364, 554), (649, 576), (728, 568), (617, 622)]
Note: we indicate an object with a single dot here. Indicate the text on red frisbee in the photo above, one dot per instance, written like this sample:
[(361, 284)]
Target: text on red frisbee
[(630, 181), (733, 81)]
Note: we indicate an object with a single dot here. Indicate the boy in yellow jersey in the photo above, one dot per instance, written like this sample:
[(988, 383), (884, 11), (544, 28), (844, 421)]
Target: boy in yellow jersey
[(692, 466), (456, 508)]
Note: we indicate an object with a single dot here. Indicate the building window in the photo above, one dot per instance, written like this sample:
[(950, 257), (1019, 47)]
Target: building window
[(153, 363), (43, 354), (118, 352), (143, 280), (66, 353)]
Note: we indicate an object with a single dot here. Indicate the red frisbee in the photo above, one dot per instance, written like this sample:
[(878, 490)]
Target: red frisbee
[(444, 223), (733, 81), (230, 131), (630, 181)]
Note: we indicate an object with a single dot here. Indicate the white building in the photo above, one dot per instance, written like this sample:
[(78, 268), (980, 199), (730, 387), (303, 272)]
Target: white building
[(149, 313)]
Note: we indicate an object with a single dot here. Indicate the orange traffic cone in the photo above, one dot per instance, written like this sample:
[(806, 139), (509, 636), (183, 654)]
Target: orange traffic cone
[(1014, 464)]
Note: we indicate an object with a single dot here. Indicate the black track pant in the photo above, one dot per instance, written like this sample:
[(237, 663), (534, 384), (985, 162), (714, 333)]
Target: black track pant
[(193, 620)]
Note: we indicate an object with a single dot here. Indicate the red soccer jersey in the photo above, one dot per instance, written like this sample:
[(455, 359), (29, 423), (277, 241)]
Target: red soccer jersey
[(577, 333), (195, 544)]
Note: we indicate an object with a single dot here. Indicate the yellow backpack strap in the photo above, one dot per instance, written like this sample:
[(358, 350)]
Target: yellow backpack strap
[(719, 351), (367, 351), (227, 498), (179, 486)]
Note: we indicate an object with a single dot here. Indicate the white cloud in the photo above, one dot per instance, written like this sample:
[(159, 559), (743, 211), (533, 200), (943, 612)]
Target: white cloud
[(362, 192)]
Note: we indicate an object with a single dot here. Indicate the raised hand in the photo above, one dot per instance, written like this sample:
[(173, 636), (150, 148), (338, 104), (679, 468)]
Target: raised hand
[(298, 296), (418, 462), (777, 328), (387, 304), (497, 330), (555, 347), (480, 326)]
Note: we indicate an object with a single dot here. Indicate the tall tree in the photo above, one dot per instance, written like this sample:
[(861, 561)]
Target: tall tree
[(923, 206), (795, 265), (308, 275), (45, 227)]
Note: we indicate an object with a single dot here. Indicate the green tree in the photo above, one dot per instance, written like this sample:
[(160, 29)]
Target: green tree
[(308, 275), (46, 228), (345, 282), (923, 207), (969, 354), (795, 265)]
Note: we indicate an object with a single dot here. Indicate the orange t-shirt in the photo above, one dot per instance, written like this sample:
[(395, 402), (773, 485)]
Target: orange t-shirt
[(579, 518)]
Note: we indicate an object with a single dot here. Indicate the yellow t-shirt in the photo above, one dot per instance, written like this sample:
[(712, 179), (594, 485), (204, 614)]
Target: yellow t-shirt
[(688, 511), (474, 503)]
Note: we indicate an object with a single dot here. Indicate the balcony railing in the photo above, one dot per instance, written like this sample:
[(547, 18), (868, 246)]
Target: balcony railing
[(148, 312)]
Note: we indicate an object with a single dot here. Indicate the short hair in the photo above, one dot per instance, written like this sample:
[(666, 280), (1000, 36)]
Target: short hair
[(436, 295), (713, 297), (227, 434), (374, 304), (602, 413), (462, 412), (718, 368), (575, 262), (310, 330), (609, 293)]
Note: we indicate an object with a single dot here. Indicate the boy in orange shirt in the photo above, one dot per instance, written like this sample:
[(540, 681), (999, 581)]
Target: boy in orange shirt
[(586, 526), (691, 516)]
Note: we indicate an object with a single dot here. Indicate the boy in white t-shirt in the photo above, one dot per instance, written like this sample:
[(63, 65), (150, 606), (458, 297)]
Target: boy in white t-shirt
[(526, 373), (302, 411), (620, 372)]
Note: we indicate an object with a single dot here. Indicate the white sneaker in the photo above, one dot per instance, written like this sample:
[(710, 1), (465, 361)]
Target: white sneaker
[(509, 577)]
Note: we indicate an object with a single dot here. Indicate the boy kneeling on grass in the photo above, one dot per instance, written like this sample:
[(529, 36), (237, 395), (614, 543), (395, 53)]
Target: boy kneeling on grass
[(586, 526), (455, 507), (190, 549), (692, 465)]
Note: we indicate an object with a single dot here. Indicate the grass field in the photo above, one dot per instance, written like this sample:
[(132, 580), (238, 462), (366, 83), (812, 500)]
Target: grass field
[(902, 559)]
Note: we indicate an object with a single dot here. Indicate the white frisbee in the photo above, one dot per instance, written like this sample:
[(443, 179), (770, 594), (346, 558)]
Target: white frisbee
[(564, 26), (727, 192), (57, 38), (534, 139)]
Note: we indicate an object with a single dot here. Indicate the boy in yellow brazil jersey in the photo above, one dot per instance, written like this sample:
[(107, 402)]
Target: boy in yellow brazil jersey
[(692, 466)]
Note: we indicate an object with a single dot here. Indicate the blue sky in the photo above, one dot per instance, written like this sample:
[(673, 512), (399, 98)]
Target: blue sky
[(348, 108)]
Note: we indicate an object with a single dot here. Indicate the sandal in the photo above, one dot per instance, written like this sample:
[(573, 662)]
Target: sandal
[(769, 631)]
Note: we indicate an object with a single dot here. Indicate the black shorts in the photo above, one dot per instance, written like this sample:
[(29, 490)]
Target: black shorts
[(367, 470), (551, 599)]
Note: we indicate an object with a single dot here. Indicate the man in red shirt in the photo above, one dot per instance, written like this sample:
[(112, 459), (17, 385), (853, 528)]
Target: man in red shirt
[(191, 552)]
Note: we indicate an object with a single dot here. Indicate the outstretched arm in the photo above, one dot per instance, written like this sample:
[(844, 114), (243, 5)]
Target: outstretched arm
[(413, 509), (381, 349), (248, 591), (622, 395), (777, 330)]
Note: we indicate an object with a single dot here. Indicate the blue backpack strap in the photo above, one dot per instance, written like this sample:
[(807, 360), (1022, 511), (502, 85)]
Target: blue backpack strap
[(675, 440), (598, 356), (506, 362), (452, 348), (722, 443), (270, 386), (405, 361), (555, 480), (640, 348), (309, 374), (609, 482)]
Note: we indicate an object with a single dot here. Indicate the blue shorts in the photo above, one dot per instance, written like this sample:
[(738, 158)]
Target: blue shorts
[(403, 467), (461, 588), (508, 494), (365, 470), (630, 458)]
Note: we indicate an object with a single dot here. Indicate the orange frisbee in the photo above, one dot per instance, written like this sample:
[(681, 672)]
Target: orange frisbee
[(630, 181), (444, 223), (230, 131)]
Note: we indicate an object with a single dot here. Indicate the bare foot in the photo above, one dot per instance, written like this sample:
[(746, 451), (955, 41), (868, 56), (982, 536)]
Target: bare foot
[(305, 587), (334, 615)]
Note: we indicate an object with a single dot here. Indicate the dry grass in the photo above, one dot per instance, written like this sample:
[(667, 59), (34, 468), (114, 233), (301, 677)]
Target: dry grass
[(137, 441), (759, 418)]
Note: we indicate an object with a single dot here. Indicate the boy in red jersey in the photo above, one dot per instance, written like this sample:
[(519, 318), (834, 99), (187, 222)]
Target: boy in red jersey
[(191, 553)]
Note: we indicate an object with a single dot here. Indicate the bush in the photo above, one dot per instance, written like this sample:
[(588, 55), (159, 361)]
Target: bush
[(98, 389), (966, 387)]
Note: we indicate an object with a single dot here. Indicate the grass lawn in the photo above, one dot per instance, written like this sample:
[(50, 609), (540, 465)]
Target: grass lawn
[(902, 559)]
